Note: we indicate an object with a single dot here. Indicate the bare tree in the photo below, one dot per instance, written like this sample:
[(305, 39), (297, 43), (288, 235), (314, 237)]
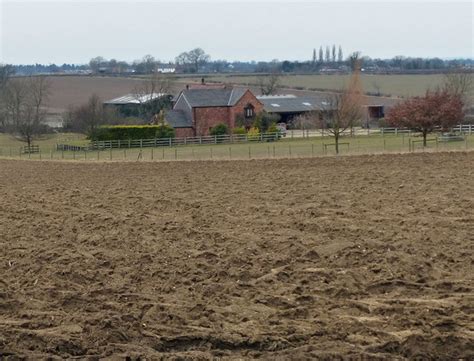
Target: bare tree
[(309, 120), (152, 95), (6, 71), (342, 111), (89, 116), (25, 100), (97, 63), (460, 84), (355, 61), (193, 59), (269, 84)]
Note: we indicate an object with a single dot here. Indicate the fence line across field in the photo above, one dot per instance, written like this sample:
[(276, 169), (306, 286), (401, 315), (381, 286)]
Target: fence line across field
[(235, 138)]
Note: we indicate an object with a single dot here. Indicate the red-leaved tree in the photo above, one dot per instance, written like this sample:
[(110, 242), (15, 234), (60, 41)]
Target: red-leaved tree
[(438, 109)]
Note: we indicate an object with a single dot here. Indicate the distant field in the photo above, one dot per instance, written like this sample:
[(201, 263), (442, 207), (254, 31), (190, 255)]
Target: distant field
[(75, 90), (395, 85)]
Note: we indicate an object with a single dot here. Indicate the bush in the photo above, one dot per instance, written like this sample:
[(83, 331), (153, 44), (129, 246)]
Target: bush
[(239, 131), (264, 120), (253, 134), (125, 132), (219, 129)]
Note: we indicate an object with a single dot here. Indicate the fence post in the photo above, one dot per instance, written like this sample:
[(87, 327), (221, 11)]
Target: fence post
[(169, 141), (129, 143), (215, 139)]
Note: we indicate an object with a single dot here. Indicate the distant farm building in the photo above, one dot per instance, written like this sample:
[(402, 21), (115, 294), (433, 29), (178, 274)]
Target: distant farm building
[(290, 106), (130, 105), (196, 111)]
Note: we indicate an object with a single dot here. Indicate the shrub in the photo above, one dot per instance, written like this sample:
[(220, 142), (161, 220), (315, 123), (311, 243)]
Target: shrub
[(253, 134), (264, 120), (125, 132), (239, 131), (273, 128), (219, 129)]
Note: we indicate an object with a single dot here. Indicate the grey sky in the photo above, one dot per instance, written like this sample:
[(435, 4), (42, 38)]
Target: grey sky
[(75, 31)]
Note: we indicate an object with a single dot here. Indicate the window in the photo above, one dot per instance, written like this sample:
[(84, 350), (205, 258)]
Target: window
[(249, 111)]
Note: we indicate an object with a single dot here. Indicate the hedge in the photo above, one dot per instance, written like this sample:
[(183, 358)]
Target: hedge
[(125, 132)]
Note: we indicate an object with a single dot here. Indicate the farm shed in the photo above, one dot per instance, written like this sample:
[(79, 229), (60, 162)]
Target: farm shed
[(290, 106), (129, 105), (196, 111)]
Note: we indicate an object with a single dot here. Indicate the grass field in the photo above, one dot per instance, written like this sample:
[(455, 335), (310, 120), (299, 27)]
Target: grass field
[(284, 148)]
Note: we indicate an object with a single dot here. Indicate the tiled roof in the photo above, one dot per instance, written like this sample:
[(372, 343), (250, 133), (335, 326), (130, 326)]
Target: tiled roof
[(178, 119), (291, 103), (213, 97)]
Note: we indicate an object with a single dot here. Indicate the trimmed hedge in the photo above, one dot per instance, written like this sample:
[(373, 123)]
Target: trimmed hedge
[(133, 132)]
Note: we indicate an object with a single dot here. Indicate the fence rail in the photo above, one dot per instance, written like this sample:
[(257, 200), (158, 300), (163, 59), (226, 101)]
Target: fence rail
[(171, 142), (235, 138)]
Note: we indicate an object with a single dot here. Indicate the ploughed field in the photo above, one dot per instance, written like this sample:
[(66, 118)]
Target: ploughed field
[(278, 259)]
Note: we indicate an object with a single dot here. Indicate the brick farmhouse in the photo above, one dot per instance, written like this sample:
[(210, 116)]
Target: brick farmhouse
[(196, 111)]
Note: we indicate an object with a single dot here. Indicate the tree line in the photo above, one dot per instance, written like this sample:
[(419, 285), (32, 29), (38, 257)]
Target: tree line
[(325, 58)]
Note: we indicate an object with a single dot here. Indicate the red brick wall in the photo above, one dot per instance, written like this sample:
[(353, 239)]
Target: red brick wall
[(206, 118), (184, 132), (248, 98)]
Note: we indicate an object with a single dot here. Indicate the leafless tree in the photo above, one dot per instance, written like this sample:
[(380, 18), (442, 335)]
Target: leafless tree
[(152, 94), (343, 111), (269, 84), (88, 117), (25, 100), (193, 59), (309, 120), (460, 84), (355, 61), (6, 71)]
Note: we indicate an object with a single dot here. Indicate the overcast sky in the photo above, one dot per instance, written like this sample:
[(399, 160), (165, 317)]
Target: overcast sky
[(75, 31)]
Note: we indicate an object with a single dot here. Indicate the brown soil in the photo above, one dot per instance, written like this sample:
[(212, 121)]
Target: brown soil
[(279, 259)]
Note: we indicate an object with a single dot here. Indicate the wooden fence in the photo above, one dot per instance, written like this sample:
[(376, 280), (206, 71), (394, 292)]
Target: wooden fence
[(171, 142)]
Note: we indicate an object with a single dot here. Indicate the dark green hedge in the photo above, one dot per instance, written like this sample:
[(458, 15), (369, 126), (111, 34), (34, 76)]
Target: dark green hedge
[(125, 132)]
